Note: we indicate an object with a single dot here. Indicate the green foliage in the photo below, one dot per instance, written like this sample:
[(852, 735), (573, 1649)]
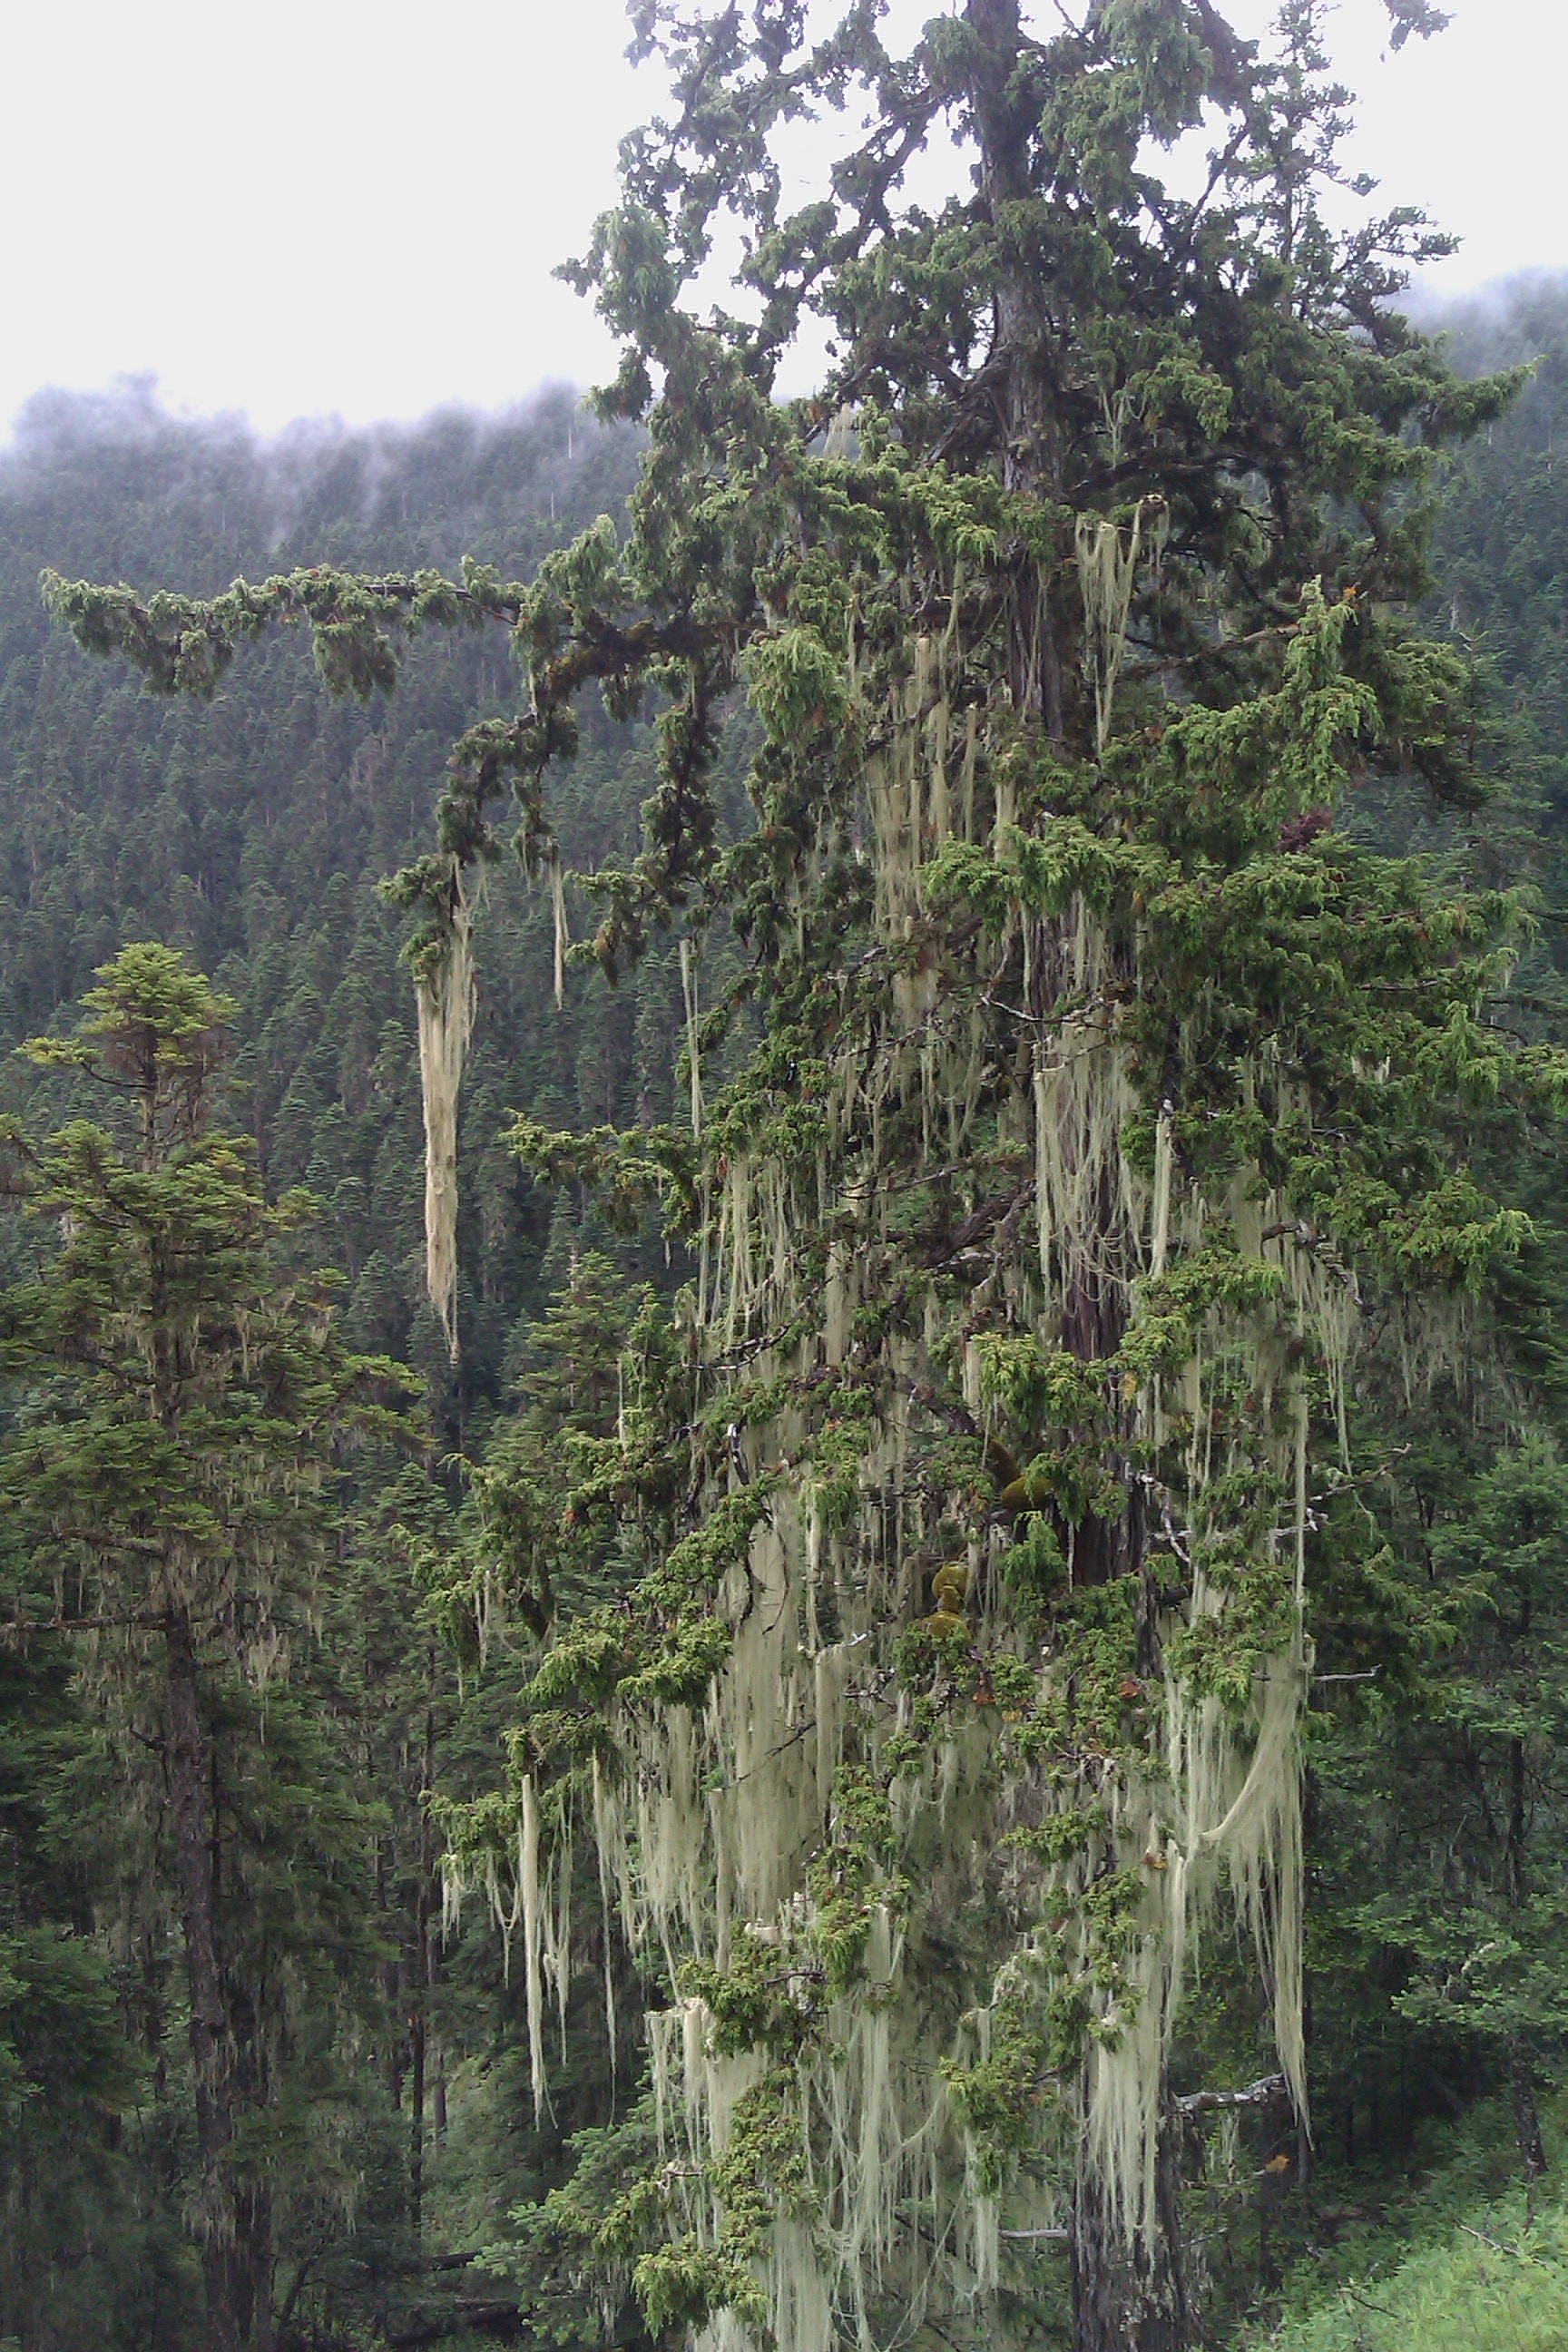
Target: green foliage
[(252, 832), (167, 1473), (1313, 997), (1459, 2265), (253, 843)]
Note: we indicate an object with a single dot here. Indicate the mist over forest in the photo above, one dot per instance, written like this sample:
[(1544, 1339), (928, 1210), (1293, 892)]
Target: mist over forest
[(440, 2095), (252, 834)]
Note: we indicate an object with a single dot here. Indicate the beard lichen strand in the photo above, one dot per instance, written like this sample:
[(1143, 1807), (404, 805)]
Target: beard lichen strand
[(562, 936), (557, 1922), (1107, 574), (601, 1859), (1160, 1229), (693, 1053), (1092, 1208), (752, 1776), (1437, 1336), (444, 997), (527, 1890)]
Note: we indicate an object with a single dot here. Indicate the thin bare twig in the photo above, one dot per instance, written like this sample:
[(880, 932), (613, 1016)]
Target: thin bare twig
[(1519, 2253)]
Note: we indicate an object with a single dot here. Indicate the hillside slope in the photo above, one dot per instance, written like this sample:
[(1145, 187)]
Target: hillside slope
[(252, 832)]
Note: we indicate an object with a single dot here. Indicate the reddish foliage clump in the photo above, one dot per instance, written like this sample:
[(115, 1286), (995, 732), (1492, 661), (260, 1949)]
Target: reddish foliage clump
[(1297, 832)]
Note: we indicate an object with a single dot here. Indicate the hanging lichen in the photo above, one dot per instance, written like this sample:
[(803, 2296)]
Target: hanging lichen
[(694, 1045), (443, 991), (883, 1751), (562, 936), (1108, 571)]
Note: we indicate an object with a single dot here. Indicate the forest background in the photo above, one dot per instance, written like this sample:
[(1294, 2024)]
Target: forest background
[(398, 2137)]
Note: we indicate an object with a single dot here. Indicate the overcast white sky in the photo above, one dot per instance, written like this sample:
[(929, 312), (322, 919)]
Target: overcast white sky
[(353, 207)]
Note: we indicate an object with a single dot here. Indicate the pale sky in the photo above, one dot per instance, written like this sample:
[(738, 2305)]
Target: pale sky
[(353, 207)]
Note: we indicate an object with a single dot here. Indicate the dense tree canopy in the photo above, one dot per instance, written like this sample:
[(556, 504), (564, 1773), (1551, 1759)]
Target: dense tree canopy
[(1099, 1294)]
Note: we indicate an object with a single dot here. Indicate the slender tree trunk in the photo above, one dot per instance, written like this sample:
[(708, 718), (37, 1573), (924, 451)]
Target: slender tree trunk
[(1514, 1846), (417, 2087), (260, 2245), (422, 1979), (211, 2058), (1526, 2115), (391, 1979), (1521, 2065), (1130, 2298), (251, 2267), (1126, 2298)]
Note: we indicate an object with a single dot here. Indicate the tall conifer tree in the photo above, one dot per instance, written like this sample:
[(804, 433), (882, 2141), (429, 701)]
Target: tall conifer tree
[(167, 1484), (964, 1637)]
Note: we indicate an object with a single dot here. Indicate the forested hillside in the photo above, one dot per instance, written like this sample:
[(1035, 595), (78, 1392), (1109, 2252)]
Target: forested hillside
[(331, 1682), (252, 834)]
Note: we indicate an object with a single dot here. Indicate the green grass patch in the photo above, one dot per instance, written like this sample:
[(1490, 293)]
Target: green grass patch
[(1459, 2267)]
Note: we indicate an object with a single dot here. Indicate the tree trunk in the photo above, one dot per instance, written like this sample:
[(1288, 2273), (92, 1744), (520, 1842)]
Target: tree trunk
[(211, 2058), (391, 1981), (1130, 2298), (258, 2248), (1031, 456), (416, 2088), (1513, 1850), (1521, 2068), (1526, 2116), (422, 1978)]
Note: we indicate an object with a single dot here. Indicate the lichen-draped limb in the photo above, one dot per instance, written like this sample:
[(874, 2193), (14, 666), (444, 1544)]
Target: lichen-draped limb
[(1107, 576)]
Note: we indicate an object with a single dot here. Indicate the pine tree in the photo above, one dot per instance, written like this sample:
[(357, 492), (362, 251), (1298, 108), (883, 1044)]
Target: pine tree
[(1445, 1892), (169, 1487), (964, 1643), (77, 2236)]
